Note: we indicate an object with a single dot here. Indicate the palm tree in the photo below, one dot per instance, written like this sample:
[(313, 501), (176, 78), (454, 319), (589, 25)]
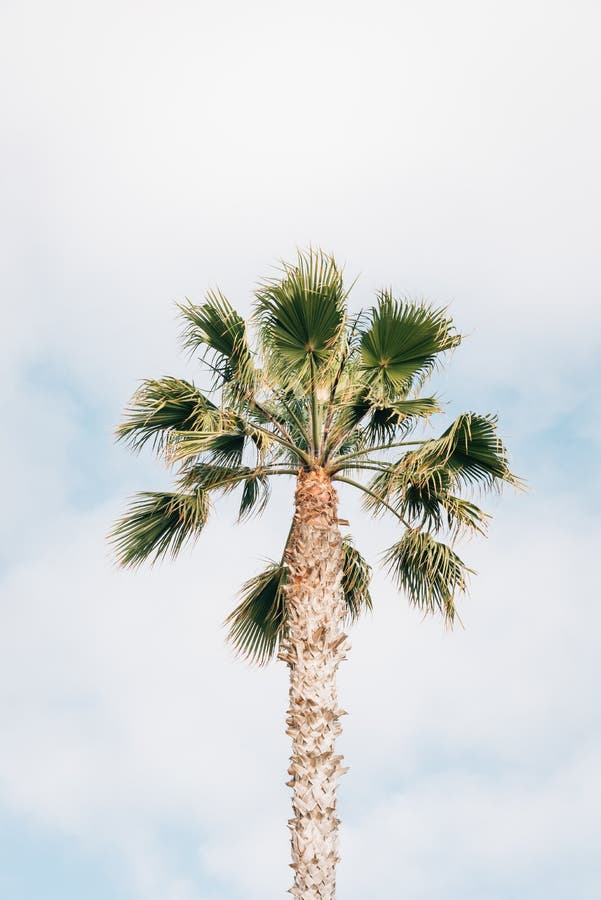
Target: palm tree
[(323, 397)]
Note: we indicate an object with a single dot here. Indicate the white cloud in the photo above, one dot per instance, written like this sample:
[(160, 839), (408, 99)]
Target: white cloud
[(442, 836)]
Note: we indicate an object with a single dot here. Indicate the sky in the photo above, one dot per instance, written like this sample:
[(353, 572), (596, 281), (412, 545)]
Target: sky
[(151, 151)]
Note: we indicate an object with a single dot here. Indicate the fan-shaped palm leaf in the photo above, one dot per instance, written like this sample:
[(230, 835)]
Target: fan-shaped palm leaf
[(255, 495), (402, 344), (302, 317), (428, 571), (428, 506), (158, 523), (224, 443), (356, 576), (160, 407), (469, 452), (257, 624), (220, 332)]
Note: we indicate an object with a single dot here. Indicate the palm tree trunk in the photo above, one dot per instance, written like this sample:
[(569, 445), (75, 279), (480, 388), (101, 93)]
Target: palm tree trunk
[(314, 646)]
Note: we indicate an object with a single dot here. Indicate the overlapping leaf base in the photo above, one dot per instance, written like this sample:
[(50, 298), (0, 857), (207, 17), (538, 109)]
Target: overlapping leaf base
[(313, 649)]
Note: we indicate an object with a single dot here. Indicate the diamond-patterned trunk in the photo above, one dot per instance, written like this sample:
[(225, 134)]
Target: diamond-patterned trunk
[(313, 649)]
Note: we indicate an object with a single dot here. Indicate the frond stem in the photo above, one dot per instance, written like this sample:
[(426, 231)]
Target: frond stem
[(272, 419), (373, 464), (366, 490), (298, 422), (235, 477), (280, 440), (334, 388), (348, 456), (314, 411)]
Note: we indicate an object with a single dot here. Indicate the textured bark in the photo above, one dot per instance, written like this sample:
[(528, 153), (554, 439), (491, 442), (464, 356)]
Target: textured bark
[(313, 649)]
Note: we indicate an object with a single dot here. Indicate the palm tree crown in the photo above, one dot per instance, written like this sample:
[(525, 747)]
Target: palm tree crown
[(305, 385)]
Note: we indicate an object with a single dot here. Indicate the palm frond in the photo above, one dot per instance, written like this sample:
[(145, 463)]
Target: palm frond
[(355, 580), (226, 448), (158, 523), (255, 482), (362, 419), (351, 406), (421, 505), (387, 422), (255, 495), (470, 453), (463, 516), (426, 502), (257, 624), (421, 485), (224, 443), (219, 331), (430, 572), (160, 407), (302, 316), (429, 506), (402, 344), (211, 477), (381, 491)]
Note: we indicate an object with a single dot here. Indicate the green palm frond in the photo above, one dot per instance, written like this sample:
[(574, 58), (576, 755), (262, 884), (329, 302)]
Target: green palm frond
[(256, 487), (428, 506), (258, 623), (224, 443), (225, 449), (355, 580), (255, 495), (185, 445), (402, 344), (420, 504), (302, 316), (212, 477), (389, 422), (463, 516), (352, 405), (220, 332), (378, 495), (430, 572), (160, 407), (158, 523), (425, 503), (470, 453)]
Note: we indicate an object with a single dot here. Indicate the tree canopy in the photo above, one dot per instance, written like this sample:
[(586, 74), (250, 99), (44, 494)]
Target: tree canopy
[(305, 384)]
